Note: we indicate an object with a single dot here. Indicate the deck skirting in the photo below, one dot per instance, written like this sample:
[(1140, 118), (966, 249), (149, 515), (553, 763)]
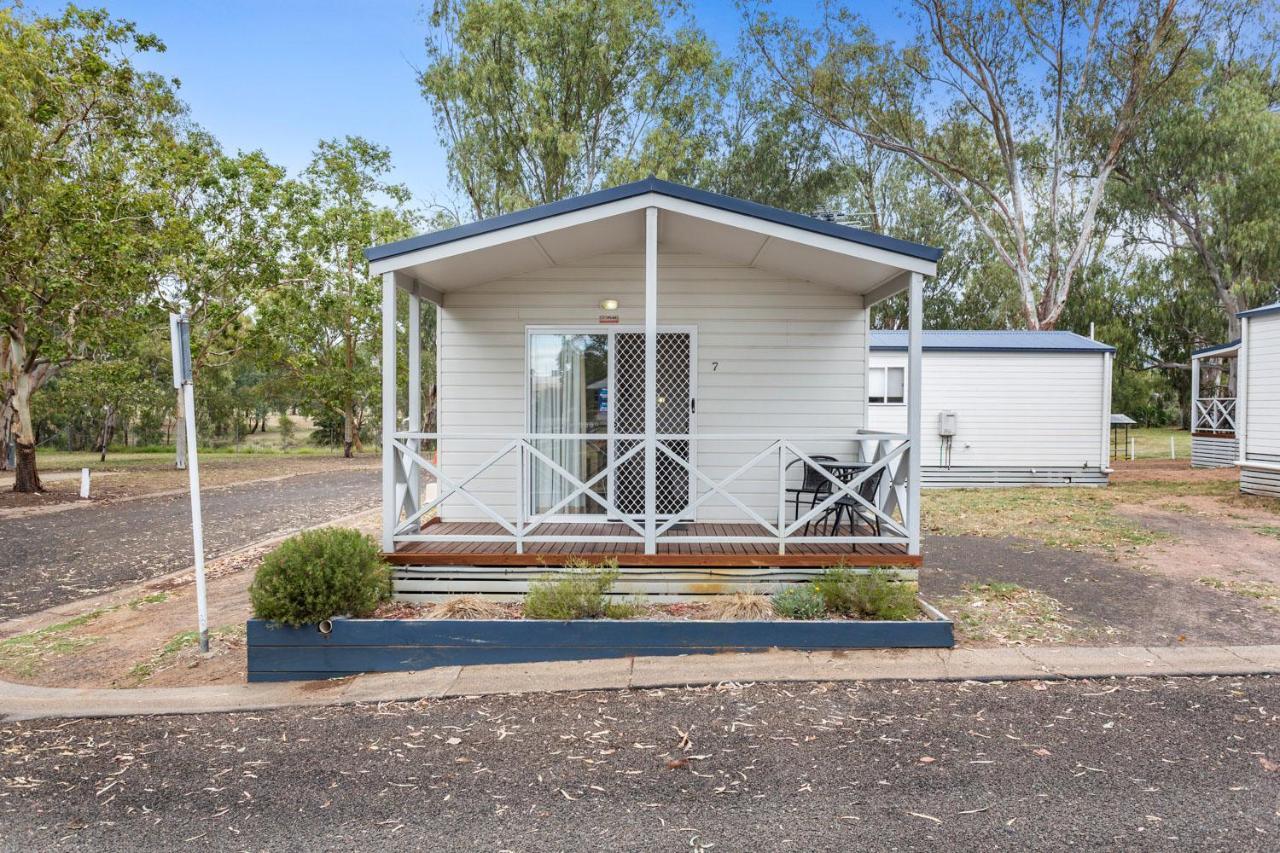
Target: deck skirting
[(1214, 451), (978, 477), (1259, 481)]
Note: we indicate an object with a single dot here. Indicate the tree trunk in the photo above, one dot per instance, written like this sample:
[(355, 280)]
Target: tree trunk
[(28, 478), (180, 435), (108, 431), (348, 421)]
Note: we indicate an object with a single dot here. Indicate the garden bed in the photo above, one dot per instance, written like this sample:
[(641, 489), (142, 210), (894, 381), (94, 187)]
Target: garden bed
[(350, 646)]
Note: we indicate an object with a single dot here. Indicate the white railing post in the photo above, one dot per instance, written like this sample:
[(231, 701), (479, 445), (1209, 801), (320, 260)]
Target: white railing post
[(650, 380), (782, 495), (915, 375), (521, 497), (1195, 393), (390, 464)]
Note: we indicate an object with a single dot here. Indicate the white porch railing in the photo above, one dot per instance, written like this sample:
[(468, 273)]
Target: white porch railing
[(1215, 414), (884, 456)]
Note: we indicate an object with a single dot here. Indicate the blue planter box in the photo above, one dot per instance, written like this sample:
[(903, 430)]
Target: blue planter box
[(280, 653)]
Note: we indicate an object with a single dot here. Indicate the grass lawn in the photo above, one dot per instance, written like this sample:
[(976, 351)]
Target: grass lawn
[(1066, 517), (1153, 442)]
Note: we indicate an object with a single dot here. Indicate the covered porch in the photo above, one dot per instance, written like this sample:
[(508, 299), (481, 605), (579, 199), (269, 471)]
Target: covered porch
[(650, 374), (1214, 378)]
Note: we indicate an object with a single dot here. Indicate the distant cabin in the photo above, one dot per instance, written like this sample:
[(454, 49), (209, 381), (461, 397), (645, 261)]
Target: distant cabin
[(1000, 408), (1258, 405)]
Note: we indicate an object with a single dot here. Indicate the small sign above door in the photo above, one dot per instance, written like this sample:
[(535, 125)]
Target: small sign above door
[(608, 318)]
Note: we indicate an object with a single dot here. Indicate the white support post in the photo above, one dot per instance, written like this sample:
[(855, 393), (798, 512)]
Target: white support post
[(197, 517), (650, 380), (415, 393), (1194, 421), (1242, 392), (1104, 454), (389, 462), (915, 374)]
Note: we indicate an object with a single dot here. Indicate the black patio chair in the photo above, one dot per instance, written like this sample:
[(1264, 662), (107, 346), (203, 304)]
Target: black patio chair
[(869, 491), (814, 484)]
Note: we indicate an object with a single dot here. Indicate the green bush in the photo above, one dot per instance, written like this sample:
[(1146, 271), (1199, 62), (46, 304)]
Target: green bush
[(836, 586), (318, 575), (580, 592), (799, 602), (876, 595)]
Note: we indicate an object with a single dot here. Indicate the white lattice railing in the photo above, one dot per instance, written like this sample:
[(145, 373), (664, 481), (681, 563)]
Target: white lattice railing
[(1215, 414), (772, 511)]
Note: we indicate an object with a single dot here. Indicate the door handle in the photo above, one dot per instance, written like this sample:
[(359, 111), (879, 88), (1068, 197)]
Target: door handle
[(693, 405)]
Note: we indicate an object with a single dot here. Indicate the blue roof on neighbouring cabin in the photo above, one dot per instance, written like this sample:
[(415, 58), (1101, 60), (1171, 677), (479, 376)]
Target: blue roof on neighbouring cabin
[(654, 185), (1257, 312), (969, 340), (1196, 353)]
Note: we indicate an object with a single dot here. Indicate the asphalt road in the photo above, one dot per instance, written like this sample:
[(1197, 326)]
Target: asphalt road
[(1126, 764), (53, 558)]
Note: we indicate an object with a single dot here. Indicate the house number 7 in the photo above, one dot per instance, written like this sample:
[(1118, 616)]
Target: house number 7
[(715, 365)]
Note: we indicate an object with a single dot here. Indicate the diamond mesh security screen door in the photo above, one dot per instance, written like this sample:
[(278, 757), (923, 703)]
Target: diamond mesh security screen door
[(674, 415)]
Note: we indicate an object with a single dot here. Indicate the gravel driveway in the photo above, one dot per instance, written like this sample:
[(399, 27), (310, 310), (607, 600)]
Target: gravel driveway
[(1142, 764), (53, 558)]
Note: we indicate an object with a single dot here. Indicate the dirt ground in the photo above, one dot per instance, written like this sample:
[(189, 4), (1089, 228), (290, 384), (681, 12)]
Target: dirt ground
[(132, 478), (1208, 573)]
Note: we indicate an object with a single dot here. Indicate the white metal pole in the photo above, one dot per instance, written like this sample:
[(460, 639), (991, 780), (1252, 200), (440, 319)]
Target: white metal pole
[(915, 378), (415, 392), (1173, 453), (650, 379), (388, 410), (197, 519), (84, 483)]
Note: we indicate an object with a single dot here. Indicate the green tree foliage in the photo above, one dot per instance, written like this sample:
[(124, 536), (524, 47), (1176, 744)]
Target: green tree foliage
[(322, 325), (537, 100), (78, 239), (1019, 111)]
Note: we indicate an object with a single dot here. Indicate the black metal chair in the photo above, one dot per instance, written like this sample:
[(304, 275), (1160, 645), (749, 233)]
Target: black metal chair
[(869, 491), (814, 484)]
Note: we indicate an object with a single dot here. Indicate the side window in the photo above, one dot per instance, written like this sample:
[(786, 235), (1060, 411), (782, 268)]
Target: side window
[(886, 385)]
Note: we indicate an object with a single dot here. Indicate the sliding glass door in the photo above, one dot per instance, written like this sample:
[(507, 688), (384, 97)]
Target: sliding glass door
[(592, 383)]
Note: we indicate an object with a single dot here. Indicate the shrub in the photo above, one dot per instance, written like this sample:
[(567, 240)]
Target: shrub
[(320, 574), (580, 592), (836, 586), (877, 596), (799, 602)]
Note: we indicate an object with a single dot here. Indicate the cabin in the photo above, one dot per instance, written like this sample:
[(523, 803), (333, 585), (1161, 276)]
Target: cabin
[(1000, 408), (652, 374), (1258, 404), (1214, 377)]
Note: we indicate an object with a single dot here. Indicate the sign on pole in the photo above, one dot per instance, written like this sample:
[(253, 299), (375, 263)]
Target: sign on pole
[(180, 342)]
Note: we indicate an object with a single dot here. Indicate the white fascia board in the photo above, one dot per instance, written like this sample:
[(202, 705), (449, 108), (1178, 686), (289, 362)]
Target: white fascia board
[(663, 202)]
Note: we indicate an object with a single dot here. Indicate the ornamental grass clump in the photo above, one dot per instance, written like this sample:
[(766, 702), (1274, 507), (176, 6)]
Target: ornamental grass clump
[(581, 591), (320, 574), (799, 602), (740, 607)]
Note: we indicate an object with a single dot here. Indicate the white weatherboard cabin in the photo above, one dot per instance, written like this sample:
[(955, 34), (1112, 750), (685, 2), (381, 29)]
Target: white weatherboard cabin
[(1214, 379), (1258, 406), (1000, 408), (651, 373)]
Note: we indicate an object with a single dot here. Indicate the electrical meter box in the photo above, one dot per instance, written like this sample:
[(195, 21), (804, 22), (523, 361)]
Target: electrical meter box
[(947, 423)]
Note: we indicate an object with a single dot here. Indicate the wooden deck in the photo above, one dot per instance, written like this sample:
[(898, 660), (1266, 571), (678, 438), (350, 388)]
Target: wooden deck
[(630, 554)]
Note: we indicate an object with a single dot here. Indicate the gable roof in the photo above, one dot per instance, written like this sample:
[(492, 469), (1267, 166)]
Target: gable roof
[(1257, 312), (969, 340), (659, 187), (1203, 351)]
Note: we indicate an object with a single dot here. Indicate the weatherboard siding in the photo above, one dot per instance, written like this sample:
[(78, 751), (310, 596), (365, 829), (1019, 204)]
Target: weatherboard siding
[(1015, 411), (775, 356), (1263, 386)]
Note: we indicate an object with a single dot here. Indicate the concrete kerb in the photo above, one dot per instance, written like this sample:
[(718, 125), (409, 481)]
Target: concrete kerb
[(1001, 664)]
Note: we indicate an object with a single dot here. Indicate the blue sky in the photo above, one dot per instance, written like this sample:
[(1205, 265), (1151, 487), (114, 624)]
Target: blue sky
[(281, 74)]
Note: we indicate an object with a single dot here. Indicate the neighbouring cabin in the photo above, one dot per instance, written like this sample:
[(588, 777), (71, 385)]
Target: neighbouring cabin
[(1214, 379), (1000, 408), (655, 374), (1258, 406)]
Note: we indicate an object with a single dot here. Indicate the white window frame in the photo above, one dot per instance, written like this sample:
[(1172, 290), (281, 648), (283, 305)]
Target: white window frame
[(886, 368)]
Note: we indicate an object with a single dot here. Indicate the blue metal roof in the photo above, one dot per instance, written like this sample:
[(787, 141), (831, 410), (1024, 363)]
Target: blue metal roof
[(969, 340), (1206, 350), (1258, 312), (654, 185)]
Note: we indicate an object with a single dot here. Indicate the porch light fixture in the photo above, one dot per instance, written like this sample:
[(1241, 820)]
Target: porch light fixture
[(608, 305)]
